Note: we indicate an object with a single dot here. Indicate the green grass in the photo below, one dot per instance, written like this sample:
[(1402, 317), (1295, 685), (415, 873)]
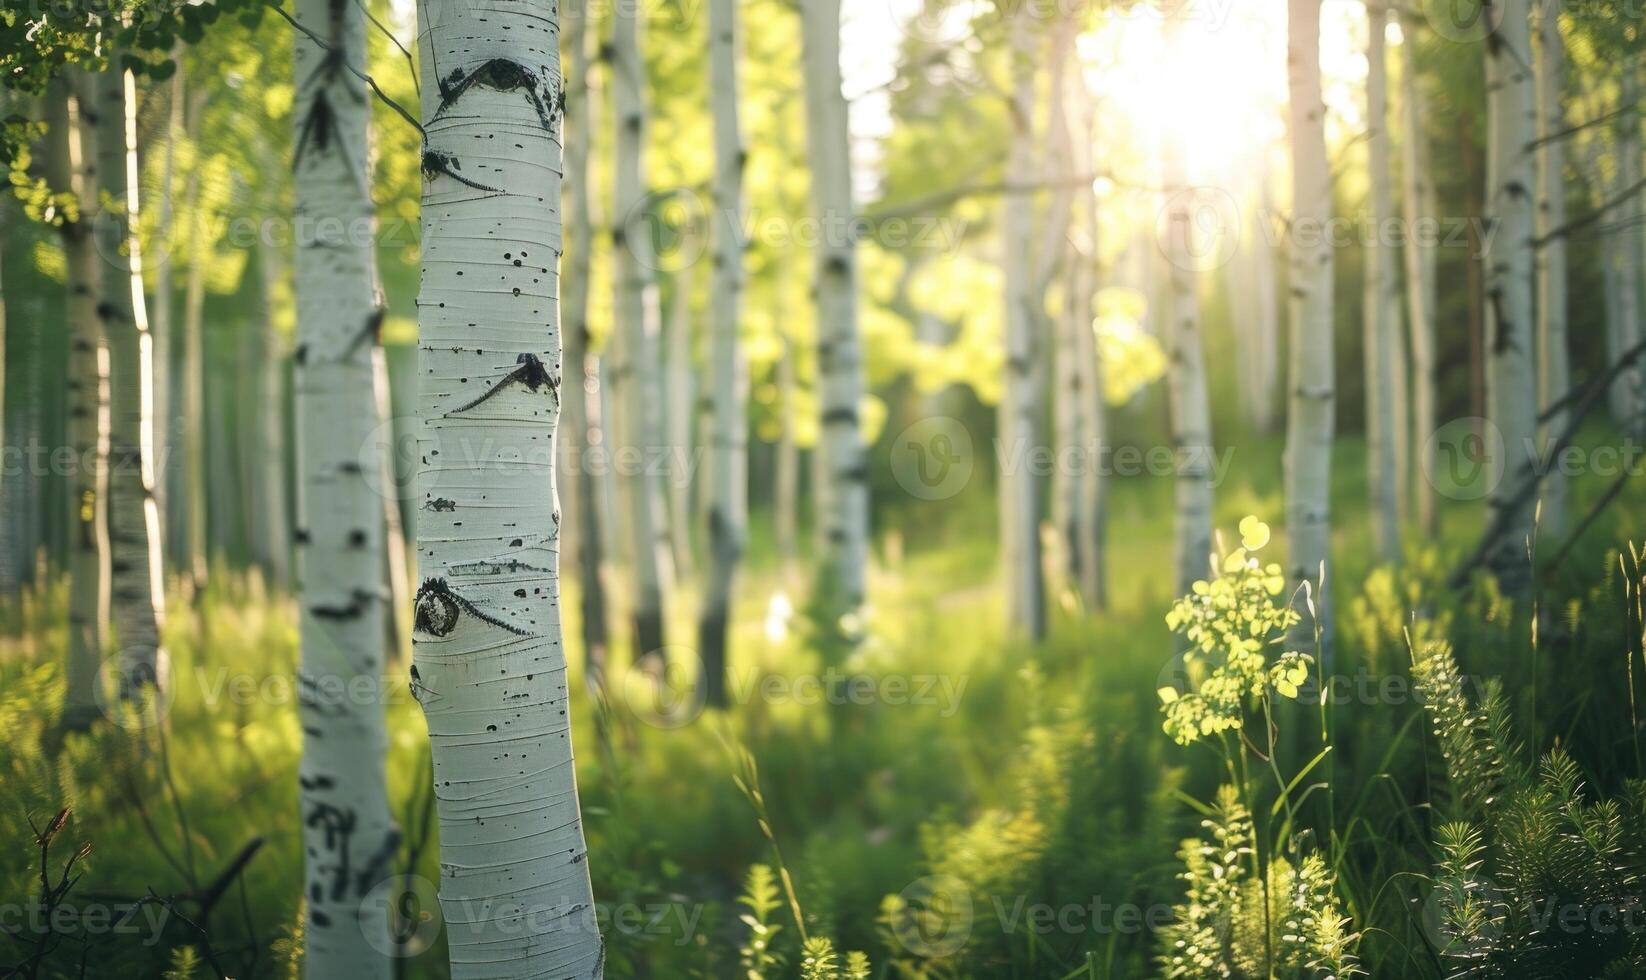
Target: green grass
[(1039, 777)]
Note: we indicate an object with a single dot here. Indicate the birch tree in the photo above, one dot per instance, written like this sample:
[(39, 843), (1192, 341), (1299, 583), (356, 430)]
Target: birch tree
[(728, 444), (490, 669), (1186, 371), (1553, 363), (88, 409), (679, 401), (580, 424), (349, 835), (136, 576), (1624, 255), (635, 306), (1091, 524), (273, 537), (1418, 206), (1511, 377), (844, 490), (1381, 312), (196, 423), (1311, 421), (1018, 410)]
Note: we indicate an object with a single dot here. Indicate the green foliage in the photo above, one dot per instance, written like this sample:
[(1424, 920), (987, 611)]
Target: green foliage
[(1535, 879), (756, 955), (1229, 623)]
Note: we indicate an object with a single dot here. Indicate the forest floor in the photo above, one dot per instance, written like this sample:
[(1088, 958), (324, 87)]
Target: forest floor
[(1034, 776)]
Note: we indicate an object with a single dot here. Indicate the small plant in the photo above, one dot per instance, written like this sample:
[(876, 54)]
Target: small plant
[(760, 896), (1249, 911), (1533, 878)]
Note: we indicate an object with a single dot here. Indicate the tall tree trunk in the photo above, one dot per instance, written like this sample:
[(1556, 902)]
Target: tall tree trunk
[(349, 833), (1251, 286), (1511, 376), (397, 571), (162, 326), (728, 444), (1311, 423), (197, 423), (1019, 409), (1624, 250), (490, 668), (1381, 312), (1186, 369), (137, 579), (844, 490), (1554, 358), (786, 459), (8, 555), (677, 394), (274, 531), (636, 309), (1418, 205), (88, 412), (1062, 259), (581, 417)]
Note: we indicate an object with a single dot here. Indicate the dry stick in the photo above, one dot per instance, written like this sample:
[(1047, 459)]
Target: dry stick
[(1600, 506), (1623, 197), (1593, 394)]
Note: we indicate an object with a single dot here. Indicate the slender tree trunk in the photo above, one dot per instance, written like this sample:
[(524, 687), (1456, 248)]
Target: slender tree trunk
[(1311, 423), (1251, 285), (1624, 251), (490, 668), (677, 393), (349, 833), (8, 556), (1554, 359), (139, 600), (274, 531), (1381, 312), (786, 460), (1186, 370), (198, 425), (397, 571), (1511, 375), (844, 491), (1018, 410), (728, 443), (1418, 205), (1062, 259), (636, 308), (88, 414), (581, 418), (162, 326)]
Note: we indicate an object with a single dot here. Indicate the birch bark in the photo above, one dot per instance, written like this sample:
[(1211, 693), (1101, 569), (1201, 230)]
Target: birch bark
[(1381, 309), (844, 490), (1311, 422), (1554, 358), (490, 669), (728, 442), (349, 835), (136, 577), (636, 308), (1418, 205), (88, 414), (1511, 378)]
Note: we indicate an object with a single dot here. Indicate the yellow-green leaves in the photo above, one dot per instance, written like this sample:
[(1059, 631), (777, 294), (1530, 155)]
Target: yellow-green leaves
[(1229, 622)]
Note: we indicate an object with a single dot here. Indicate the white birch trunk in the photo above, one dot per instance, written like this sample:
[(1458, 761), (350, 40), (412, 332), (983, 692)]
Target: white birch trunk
[(844, 490), (490, 668), (349, 834), (581, 418), (1418, 205), (1381, 311), (1019, 497), (1511, 376), (1186, 372), (677, 392), (1311, 421), (197, 424), (136, 577), (162, 327), (269, 489), (728, 516), (636, 308), (1554, 358), (1091, 525), (88, 415)]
